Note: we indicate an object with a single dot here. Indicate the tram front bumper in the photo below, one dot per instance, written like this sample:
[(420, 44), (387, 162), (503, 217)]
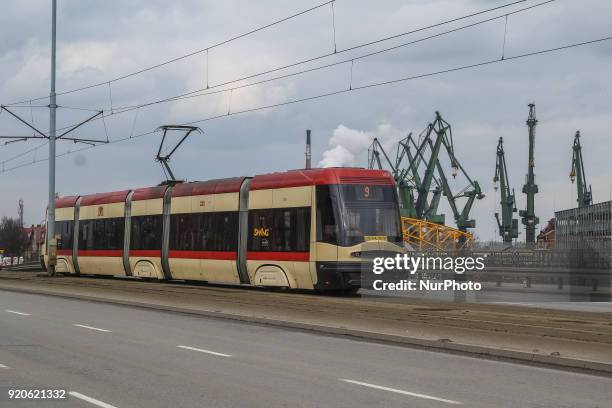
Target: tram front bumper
[(335, 275)]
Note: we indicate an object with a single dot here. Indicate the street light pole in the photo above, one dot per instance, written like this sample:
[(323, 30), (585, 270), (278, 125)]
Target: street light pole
[(52, 108)]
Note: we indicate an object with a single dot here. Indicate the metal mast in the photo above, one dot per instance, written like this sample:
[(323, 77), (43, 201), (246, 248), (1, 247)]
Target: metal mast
[(52, 108), (508, 226), (585, 195), (20, 212), (530, 188), (308, 151)]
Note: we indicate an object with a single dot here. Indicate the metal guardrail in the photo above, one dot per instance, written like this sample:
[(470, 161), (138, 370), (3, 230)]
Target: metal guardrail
[(576, 260), (24, 267)]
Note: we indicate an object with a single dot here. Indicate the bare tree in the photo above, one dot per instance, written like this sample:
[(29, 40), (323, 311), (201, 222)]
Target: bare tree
[(13, 238)]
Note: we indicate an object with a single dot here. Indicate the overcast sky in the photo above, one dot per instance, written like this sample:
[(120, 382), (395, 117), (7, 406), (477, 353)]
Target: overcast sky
[(98, 41)]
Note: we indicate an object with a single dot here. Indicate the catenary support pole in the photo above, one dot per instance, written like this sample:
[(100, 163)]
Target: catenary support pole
[(52, 108), (308, 150)]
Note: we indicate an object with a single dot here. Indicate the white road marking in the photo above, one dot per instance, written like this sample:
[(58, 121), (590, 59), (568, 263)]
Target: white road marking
[(17, 313), (412, 394), (90, 400), (5, 367), (513, 303), (214, 353), (92, 328)]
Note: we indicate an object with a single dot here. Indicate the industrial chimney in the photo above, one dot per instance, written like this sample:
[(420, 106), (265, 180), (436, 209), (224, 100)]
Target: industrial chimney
[(308, 151)]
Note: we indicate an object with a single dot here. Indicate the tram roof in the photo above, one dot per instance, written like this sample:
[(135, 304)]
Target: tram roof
[(331, 175), (291, 178), (105, 198), (64, 202), (228, 185), (149, 193)]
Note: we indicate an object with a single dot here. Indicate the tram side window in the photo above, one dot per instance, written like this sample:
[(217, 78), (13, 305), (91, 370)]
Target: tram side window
[(146, 232), (65, 230), (85, 235), (101, 234), (204, 231), (280, 230), (184, 235), (112, 237), (222, 232)]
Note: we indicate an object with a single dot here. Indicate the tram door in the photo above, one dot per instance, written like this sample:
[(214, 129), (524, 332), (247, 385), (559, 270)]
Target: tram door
[(243, 231)]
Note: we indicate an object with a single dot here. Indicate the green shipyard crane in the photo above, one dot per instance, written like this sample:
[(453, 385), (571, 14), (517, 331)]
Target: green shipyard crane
[(404, 187), (508, 226), (404, 150), (585, 195), (420, 189), (444, 137), (530, 188), (472, 192), (405, 172), (439, 127)]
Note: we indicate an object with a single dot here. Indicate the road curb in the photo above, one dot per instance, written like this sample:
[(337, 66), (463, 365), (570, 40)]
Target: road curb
[(448, 346)]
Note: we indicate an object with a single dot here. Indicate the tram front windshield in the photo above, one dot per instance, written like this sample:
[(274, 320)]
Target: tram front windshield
[(350, 214)]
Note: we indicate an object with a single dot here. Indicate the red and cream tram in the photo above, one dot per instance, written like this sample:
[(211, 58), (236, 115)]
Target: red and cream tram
[(297, 229)]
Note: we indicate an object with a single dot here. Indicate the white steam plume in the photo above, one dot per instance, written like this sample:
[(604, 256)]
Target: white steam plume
[(348, 147)]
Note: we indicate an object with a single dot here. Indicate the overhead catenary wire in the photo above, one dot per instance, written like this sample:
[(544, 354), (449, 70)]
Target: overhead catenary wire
[(110, 96), (198, 92), (207, 69), (32, 116), (24, 137), (182, 57), (61, 136), (195, 93), (134, 123), (77, 108), (338, 92), (334, 25), (33, 149), (58, 106), (358, 46), (456, 19), (505, 36)]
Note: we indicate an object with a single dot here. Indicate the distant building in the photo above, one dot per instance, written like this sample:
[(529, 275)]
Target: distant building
[(36, 239), (586, 232), (546, 237)]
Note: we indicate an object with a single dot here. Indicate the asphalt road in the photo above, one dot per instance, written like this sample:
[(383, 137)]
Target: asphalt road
[(114, 356), (538, 296), (524, 300)]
